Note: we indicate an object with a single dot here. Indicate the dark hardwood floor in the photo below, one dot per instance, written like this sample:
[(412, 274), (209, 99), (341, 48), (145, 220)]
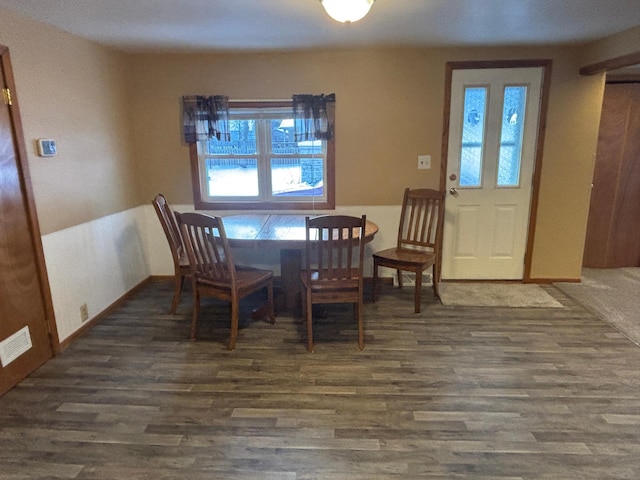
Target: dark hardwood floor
[(482, 393)]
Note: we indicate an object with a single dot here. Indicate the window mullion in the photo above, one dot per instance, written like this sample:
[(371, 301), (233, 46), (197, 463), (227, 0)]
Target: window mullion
[(264, 149)]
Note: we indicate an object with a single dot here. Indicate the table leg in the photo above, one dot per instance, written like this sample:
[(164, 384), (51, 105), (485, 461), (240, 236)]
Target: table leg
[(290, 267)]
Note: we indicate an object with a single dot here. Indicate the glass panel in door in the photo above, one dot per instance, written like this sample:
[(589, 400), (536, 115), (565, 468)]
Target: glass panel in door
[(473, 133), (510, 157)]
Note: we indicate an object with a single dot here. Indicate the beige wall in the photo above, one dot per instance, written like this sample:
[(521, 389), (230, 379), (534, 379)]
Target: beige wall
[(389, 110), (567, 170), (73, 91)]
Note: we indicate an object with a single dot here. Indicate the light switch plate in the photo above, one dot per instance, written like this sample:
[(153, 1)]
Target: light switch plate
[(424, 162)]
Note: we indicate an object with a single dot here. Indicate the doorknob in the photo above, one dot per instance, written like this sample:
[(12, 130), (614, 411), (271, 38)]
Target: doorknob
[(453, 191)]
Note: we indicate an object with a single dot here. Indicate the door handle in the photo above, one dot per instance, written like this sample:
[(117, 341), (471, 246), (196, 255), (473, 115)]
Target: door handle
[(453, 191)]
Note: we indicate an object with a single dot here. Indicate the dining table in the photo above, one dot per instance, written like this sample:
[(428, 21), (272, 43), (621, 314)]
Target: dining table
[(285, 232)]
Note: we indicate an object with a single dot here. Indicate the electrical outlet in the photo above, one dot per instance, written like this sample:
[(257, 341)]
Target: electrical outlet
[(424, 162), (84, 312)]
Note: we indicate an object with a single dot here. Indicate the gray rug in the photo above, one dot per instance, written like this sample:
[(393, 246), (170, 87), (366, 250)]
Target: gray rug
[(611, 293), (496, 295)]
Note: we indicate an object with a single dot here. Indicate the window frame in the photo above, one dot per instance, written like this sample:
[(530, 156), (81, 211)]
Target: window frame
[(200, 204)]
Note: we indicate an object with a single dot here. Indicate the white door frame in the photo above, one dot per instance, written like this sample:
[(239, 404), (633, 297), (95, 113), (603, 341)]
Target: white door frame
[(535, 188)]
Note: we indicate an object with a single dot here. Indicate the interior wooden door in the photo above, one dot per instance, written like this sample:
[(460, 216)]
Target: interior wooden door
[(25, 304), (613, 229)]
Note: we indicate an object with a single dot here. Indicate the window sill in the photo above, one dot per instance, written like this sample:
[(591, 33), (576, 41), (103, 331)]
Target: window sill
[(200, 205)]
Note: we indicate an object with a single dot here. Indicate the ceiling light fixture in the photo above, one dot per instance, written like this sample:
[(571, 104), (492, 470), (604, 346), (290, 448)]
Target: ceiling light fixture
[(347, 11)]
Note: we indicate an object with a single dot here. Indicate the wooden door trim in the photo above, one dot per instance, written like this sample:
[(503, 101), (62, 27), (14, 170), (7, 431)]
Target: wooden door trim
[(622, 61), (542, 123), (25, 180)]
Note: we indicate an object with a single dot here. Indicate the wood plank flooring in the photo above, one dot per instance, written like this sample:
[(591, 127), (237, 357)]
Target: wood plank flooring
[(453, 392)]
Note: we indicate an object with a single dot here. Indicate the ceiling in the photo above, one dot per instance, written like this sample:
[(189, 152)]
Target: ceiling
[(271, 25)]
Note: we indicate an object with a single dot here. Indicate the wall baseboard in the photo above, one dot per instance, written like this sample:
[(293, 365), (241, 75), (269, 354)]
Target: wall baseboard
[(549, 281), (95, 320)]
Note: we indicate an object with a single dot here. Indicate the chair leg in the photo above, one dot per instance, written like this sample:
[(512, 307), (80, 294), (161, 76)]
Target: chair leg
[(358, 311), (178, 282), (234, 324), (267, 309), (399, 274), (308, 313), (375, 282), (436, 289), (195, 315), (418, 292), (270, 309)]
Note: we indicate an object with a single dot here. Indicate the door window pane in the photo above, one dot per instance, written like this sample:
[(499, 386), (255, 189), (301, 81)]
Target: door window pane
[(511, 138), (475, 99)]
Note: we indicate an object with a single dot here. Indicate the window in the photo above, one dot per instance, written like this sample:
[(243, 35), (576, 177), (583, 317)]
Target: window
[(263, 166)]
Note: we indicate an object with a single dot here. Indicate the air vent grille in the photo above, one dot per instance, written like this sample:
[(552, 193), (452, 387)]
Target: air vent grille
[(14, 346)]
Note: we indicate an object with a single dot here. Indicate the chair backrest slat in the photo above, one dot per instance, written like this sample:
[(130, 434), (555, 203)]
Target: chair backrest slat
[(207, 246), (169, 225), (334, 247), (420, 219)]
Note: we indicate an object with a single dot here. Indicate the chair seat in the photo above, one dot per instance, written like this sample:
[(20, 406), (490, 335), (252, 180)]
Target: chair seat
[(246, 278), (183, 264), (320, 286), (183, 260), (404, 256)]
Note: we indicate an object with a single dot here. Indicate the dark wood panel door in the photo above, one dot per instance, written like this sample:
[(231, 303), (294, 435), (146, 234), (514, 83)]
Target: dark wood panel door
[(25, 343), (613, 231)]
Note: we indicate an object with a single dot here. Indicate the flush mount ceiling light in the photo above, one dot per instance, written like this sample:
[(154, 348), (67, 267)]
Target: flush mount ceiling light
[(347, 11)]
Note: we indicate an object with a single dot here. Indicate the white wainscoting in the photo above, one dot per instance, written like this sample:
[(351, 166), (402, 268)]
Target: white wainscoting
[(99, 261), (95, 263)]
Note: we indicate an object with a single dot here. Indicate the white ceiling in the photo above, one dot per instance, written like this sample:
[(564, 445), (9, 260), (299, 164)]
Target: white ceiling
[(261, 25)]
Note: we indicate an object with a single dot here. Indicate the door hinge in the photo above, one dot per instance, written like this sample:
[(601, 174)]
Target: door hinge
[(6, 94)]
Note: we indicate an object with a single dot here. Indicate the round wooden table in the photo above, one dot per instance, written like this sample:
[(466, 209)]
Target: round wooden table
[(285, 232)]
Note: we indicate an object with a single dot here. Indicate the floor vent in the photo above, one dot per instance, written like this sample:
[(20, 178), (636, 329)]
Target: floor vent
[(14, 346)]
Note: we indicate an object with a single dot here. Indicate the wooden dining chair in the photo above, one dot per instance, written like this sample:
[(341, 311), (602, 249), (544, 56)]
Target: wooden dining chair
[(178, 252), (419, 239), (333, 266), (214, 273)]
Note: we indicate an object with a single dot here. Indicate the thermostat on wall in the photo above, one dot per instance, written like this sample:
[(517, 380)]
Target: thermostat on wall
[(47, 147)]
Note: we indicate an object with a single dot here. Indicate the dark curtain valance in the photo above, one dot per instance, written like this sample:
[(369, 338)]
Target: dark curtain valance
[(205, 118), (314, 116)]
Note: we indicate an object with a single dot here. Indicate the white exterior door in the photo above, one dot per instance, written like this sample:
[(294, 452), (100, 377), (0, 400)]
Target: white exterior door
[(493, 132)]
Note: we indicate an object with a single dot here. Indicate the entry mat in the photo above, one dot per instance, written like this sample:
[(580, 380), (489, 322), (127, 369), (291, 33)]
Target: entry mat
[(483, 294)]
